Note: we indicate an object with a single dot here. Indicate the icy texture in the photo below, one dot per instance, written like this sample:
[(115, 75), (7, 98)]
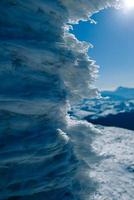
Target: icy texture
[(115, 171), (43, 69)]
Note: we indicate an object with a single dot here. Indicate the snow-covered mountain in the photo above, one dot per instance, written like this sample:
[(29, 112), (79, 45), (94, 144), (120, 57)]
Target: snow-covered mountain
[(120, 93), (107, 108)]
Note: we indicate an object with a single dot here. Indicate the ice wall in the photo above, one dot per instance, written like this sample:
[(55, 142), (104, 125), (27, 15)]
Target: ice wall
[(43, 69)]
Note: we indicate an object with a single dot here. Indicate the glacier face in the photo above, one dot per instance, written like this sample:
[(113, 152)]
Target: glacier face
[(43, 70)]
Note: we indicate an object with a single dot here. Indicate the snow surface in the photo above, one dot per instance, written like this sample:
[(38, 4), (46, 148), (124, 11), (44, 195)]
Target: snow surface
[(115, 171)]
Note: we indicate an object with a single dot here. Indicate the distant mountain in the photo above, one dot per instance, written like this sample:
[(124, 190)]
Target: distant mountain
[(117, 110), (120, 93)]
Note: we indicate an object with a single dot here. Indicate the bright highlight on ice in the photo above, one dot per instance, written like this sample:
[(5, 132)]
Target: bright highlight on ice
[(128, 4)]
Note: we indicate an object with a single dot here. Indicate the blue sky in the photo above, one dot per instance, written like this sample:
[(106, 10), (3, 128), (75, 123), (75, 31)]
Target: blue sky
[(113, 40)]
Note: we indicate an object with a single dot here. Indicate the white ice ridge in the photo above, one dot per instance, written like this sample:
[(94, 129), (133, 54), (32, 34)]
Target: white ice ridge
[(43, 69)]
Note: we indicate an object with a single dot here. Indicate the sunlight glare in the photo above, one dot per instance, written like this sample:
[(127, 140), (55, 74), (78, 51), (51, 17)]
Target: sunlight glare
[(128, 4)]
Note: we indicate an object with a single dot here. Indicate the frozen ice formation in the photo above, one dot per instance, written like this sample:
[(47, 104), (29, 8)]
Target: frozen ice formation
[(43, 70)]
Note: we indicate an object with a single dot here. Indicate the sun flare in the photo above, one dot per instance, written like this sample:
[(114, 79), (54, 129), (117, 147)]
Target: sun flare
[(129, 4)]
